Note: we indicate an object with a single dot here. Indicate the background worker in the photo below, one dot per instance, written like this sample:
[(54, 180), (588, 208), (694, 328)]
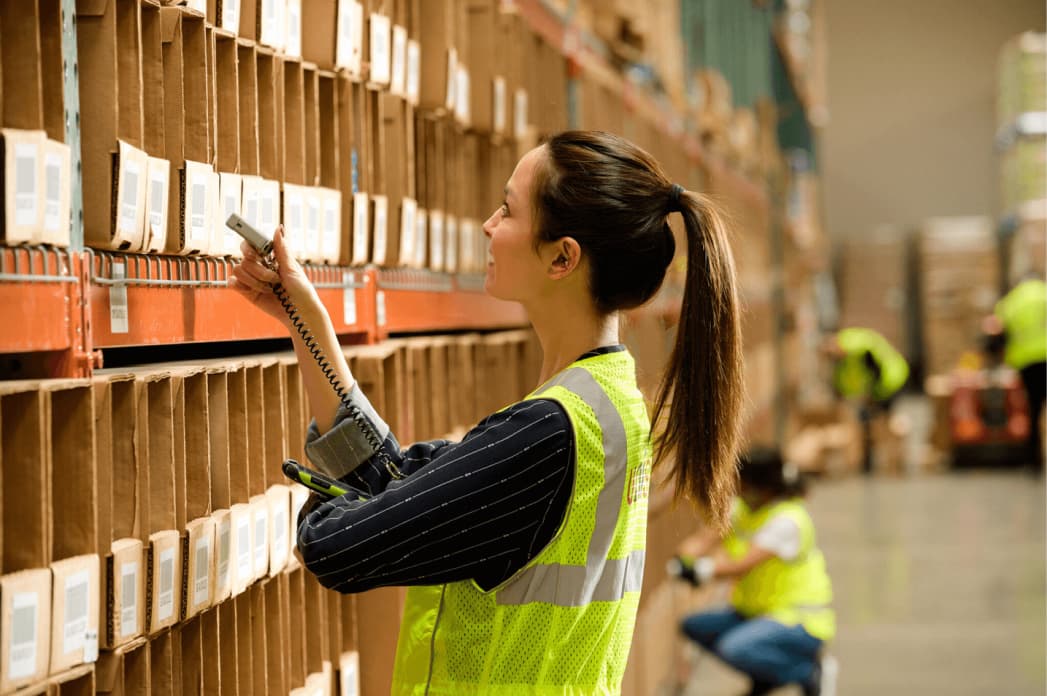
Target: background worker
[(868, 372), (779, 615), (1023, 312), (523, 543)]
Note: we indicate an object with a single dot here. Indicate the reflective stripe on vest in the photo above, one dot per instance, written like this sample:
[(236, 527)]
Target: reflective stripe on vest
[(573, 586)]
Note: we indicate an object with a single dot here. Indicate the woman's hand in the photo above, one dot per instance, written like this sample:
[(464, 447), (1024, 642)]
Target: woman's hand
[(254, 280)]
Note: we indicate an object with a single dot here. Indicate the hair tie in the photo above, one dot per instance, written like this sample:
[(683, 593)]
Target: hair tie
[(674, 198)]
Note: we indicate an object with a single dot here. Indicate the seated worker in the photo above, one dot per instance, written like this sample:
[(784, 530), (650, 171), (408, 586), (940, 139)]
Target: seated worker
[(779, 615), (1023, 312), (869, 371)]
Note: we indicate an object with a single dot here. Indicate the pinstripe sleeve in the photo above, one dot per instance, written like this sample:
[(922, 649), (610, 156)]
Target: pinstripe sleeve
[(477, 509)]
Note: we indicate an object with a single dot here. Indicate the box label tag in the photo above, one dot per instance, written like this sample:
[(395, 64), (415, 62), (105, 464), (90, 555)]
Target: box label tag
[(461, 95), (349, 51), (421, 246), (349, 299), (398, 81), (408, 209), (157, 199), (280, 532), (118, 317), (520, 113), (129, 598), (74, 626), (223, 553), (294, 223), (201, 583), (232, 239), (90, 646), (436, 240), (294, 28), (381, 57), (261, 541), (25, 183), (360, 203), (452, 79), (349, 676), (499, 104), (243, 547), (379, 300), (414, 71), (22, 661), (198, 212), (52, 191), (380, 222), (129, 197), (312, 225), (451, 244), (165, 601), (231, 15)]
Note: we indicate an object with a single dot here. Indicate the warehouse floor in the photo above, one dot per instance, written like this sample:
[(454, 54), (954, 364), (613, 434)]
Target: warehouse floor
[(939, 583)]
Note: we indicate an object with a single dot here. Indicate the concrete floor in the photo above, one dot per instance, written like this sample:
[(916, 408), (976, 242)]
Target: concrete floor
[(939, 584)]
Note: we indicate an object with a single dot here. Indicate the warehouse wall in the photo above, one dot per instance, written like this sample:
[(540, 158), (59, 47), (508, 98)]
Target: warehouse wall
[(911, 97)]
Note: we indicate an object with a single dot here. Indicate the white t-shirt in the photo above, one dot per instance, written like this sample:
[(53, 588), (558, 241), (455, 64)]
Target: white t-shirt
[(781, 536)]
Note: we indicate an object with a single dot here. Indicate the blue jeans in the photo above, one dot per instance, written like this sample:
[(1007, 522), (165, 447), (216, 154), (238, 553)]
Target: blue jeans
[(768, 652)]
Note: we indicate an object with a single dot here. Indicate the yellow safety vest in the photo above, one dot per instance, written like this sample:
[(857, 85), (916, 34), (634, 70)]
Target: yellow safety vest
[(796, 592), (563, 623), (853, 378), (1023, 312)]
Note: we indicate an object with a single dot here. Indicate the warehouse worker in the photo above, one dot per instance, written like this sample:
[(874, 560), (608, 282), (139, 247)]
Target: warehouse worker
[(867, 371), (524, 542), (1023, 312), (779, 615)]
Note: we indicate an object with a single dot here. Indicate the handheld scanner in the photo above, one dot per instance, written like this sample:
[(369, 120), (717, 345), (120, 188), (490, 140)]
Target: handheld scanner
[(313, 480), (261, 243)]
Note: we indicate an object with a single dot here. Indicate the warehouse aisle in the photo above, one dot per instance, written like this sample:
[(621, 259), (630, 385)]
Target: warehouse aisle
[(939, 586)]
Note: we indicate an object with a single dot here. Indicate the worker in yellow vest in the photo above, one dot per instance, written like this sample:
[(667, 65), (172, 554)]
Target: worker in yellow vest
[(869, 372), (1023, 312), (779, 616), (523, 544)]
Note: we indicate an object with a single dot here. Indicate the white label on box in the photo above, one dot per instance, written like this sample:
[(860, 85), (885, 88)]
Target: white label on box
[(23, 635), (381, 219), (381, 57), (261, 540), (414, 71), (452, 78), (349, 50), (25, 183), (198, 212), (408, 208), (295, 224), (74, 625), (243, 547), (157, 194), (201, 583), (52, 191), (312, 224), (499, 104), (332, 228), (165, 602), (231, 15), (379, 302), (118, 315), (421, 242), (360, 204), (348, 299), (223, 552), (461, 95), (520, 113), (293, 46), (198, 5), (349, 675), (436, 240), (250, 205), (127, 219), (280, 532), (465, 246), (129, 598), (232, 239), (269, 28), (398, 81), (90, 646), (451, 242)]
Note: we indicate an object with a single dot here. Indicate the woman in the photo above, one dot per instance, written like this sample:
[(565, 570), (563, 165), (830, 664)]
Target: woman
[(523, 544), (779, 616)]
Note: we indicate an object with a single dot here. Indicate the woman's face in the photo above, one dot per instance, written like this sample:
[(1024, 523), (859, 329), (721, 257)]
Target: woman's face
[(514, 269)]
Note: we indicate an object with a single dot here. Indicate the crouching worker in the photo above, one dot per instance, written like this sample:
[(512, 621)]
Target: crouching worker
[(779, 616)]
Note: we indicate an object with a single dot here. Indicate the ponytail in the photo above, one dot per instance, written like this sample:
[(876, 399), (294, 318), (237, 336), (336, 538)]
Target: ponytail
[(700, 397)]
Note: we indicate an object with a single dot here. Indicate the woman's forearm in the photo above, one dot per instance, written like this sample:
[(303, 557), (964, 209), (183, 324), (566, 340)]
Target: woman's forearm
[(323, 401)]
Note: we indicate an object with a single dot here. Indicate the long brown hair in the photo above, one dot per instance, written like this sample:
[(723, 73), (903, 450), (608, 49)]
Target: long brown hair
[(613, 198)]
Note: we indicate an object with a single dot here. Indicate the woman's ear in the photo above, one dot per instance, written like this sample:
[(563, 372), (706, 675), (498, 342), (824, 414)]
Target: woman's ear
[(564, 255)]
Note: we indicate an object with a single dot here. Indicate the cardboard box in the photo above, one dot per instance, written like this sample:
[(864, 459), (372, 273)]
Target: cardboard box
[(198, 570), (294, 123), (76, 588), (311, 123), (437, 235), (380, 42), (230, 192), (293, 40), (294, 208), (331, 232), (125, 670), (380, 232), (191, 219), (227, 103), (380, 610), (312, 249), (270, 129), (26, 476), (279, 497), (25, 627), (23, 64), (157, 205), (419, 392), (124, 584), (247, 106), (225, 14), (223, 556), (73, 502), (271, 25), (349, 673), (241, 548), (164, 582), (78, 681), (57, 184), (269, 205), (22, 215), (439, 59), (451, 264), (349, 43), (259, 536), (153, 134)]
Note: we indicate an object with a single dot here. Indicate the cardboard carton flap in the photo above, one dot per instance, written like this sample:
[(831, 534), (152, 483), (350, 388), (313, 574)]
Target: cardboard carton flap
[(91, 8), (170, 23)]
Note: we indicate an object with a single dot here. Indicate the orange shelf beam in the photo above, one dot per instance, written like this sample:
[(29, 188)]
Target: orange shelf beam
[(38, 293)]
